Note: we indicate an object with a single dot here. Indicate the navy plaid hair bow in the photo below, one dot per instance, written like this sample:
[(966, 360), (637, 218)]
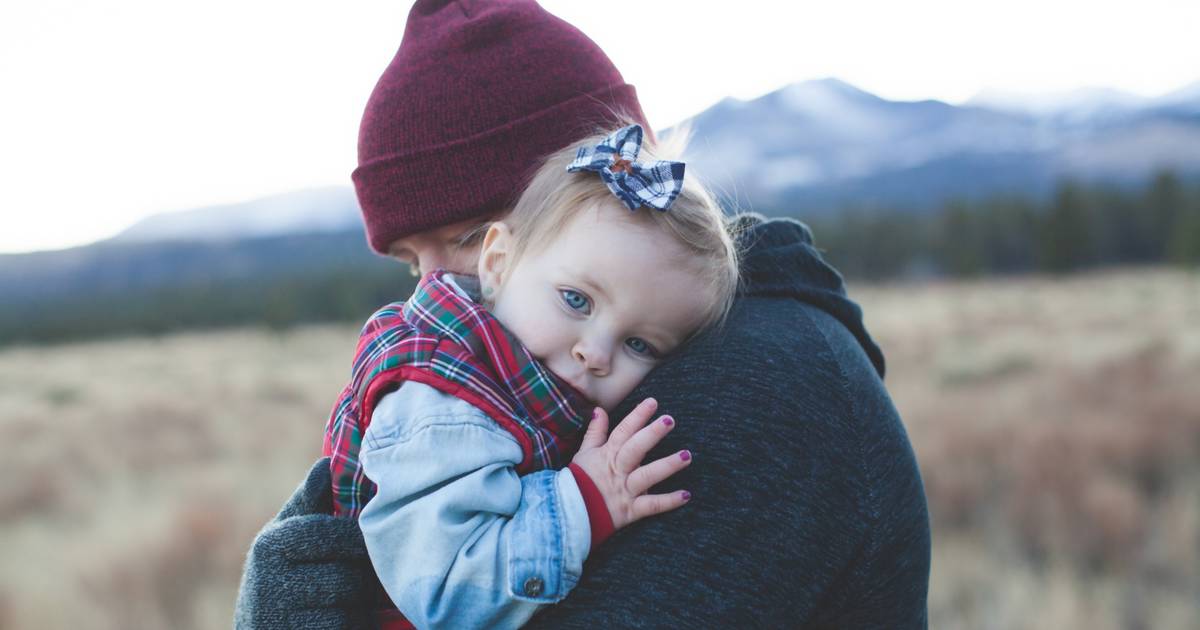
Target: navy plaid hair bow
[(654, 184)]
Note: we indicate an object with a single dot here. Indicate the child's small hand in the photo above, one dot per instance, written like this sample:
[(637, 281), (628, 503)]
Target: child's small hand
[(614, 464)]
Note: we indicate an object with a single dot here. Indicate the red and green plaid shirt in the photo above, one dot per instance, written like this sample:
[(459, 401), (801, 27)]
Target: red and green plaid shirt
[(453, 344)]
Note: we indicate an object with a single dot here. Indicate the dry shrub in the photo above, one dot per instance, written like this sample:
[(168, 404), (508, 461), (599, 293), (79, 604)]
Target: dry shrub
[(155, 435), (156, 583), (7, 611), (40, 493)]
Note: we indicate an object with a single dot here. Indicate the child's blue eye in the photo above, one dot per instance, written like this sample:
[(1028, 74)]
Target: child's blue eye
[(576, 300), (640, 346)]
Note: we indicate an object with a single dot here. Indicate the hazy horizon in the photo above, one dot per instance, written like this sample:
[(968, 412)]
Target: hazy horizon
[(139, 108)]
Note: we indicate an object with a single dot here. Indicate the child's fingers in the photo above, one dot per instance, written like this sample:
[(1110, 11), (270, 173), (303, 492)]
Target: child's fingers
[(655, 472), (597, 430), (633, 452), (651, 504), (636, 419)]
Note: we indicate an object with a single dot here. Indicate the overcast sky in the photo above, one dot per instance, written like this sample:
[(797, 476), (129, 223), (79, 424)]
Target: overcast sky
[(112, 111)]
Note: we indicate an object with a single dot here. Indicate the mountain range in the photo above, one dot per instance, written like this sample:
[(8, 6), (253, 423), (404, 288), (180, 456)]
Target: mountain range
[(818, 146), (805, 150)]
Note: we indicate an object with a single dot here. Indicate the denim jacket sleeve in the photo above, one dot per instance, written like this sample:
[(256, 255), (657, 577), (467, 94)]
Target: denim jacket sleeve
[(457, 538)]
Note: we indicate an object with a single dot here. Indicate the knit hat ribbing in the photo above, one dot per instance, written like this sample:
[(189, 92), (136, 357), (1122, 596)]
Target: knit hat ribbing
[(476, 95)]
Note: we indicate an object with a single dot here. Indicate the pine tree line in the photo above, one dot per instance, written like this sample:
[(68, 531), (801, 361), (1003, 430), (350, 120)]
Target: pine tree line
[(1083, 226)]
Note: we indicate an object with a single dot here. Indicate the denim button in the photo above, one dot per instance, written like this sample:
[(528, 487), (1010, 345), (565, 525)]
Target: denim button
[(533, 586)]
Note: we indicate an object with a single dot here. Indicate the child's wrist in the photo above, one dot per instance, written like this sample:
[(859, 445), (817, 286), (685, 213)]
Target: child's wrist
[(599, 517)]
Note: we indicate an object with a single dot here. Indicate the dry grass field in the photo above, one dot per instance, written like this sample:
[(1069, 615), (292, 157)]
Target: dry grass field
[(1057, 424)]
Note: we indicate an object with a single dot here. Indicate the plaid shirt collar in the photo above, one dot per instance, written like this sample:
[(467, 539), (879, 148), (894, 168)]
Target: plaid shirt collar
[(542, 400), (448, 340)]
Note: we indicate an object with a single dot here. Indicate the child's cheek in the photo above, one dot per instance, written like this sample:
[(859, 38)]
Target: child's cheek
[(631, 375)]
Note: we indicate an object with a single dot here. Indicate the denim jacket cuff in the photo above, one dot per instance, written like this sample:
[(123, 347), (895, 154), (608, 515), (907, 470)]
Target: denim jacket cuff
[(549, 539)]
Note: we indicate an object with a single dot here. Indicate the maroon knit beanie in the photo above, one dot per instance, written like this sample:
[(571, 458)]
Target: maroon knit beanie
[(477, 93)]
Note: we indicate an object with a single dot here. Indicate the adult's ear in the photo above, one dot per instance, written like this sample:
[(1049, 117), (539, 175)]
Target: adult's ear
[(495, 258)]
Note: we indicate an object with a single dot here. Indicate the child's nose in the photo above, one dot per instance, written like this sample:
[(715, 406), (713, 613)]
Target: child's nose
[(594, 358)]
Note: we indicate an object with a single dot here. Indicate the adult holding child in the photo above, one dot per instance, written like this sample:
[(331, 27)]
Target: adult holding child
[(808, 508)]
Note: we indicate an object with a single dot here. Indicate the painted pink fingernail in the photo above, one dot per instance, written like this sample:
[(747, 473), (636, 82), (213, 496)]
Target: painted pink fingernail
[(685, 455), (668, 420), (595, 413), (687, 496)]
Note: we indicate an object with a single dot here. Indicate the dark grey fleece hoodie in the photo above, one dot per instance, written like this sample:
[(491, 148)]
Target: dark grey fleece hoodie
[(808, 508)]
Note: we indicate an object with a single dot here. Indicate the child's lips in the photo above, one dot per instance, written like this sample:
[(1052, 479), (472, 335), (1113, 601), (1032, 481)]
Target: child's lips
[(579, 391)]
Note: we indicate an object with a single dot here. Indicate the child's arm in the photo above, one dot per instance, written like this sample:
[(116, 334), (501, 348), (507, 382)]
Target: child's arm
[(452, 526), (457, 538)]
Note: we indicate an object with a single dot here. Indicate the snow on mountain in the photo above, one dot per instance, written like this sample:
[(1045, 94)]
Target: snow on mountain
[(1071, 105), (819, 132), (1184, 100), (830, 143)]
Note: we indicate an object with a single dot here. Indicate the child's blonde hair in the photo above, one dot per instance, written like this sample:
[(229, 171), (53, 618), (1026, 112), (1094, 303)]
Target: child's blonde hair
[(694, 220)]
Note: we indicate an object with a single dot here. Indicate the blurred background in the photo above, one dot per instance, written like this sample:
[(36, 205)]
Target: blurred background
[(1012, 190)]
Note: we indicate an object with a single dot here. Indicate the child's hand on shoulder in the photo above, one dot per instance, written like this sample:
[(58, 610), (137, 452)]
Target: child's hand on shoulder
[(614, 463)]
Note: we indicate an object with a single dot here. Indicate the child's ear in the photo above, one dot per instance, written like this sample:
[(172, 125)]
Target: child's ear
[(495, 256)]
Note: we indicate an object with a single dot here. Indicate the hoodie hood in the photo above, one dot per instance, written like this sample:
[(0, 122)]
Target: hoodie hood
[(779, 260)]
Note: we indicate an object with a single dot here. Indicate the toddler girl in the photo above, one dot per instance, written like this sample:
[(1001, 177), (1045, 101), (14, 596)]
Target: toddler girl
[(466, 401)]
